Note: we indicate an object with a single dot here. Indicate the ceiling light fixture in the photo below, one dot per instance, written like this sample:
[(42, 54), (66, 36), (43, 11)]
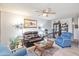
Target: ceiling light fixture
[(46, 12)]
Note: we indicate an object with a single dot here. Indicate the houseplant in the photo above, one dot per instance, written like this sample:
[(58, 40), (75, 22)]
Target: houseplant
[(13, 43)]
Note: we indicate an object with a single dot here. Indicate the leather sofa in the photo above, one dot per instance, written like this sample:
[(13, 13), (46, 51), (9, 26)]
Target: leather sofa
[(31, 37)]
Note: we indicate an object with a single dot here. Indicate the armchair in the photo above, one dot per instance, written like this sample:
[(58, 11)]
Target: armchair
[(64, 40)]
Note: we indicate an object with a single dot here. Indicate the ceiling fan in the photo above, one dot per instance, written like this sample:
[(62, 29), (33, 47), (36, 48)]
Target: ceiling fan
[(46, 12)]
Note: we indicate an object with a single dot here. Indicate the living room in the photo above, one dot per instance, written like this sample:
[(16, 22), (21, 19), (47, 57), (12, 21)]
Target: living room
[(43, 21)]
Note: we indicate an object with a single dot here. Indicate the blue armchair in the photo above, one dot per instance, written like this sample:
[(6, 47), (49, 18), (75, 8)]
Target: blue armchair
[(64, 40)]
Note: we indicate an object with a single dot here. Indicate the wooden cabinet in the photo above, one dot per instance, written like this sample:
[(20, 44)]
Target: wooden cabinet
[(64, 27), (56, 29)]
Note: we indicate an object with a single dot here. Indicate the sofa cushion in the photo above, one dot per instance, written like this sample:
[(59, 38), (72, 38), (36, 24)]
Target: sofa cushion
[(66, 35)]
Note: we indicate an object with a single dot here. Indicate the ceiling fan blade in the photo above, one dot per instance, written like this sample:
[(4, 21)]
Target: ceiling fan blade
[(39, 14), (37, 11), (52, 13)]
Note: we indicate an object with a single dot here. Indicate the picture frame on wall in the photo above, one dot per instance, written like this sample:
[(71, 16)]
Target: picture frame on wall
[(29, 23)]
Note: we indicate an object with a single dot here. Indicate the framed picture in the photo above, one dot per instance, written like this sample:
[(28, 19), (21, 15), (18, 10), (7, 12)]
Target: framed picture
[(28, 23)]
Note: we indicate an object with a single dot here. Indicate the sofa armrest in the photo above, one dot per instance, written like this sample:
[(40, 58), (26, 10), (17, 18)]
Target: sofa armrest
[(67, 39), (20, 52)]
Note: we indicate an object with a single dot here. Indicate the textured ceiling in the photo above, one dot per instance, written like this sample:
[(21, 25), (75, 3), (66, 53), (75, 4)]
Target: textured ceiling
[(61, 9)]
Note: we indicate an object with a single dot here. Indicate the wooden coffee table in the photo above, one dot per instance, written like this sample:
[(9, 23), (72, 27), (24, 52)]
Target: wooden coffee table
[(42, 46), (39, 48)]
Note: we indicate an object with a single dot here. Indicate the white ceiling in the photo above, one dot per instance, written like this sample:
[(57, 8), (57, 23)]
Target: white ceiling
[(62, 9)]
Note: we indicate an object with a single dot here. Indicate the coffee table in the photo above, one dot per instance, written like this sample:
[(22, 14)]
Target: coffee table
[(41, 46)]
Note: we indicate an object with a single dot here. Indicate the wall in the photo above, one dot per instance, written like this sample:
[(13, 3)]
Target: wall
[(0, 26), (75, 21), (8, 30), (78, 30), (69, 22), (45, 24)]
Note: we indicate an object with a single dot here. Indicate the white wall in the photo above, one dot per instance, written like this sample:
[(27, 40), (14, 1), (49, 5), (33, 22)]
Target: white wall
[(8, 30), (0, 26), (75, 29), (45, 24), (78, 30)]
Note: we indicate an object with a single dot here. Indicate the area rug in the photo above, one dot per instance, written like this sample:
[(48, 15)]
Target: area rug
[(47, 52), (51, 51)]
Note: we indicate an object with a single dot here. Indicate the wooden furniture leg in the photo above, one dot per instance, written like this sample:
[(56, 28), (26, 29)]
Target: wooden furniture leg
[(35, 48)]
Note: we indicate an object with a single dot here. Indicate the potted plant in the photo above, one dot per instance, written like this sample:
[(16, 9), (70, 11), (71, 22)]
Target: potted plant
[(13, 43)]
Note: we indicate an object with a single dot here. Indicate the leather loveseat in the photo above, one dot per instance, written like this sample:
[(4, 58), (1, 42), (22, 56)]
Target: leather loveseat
[(30, 38)]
